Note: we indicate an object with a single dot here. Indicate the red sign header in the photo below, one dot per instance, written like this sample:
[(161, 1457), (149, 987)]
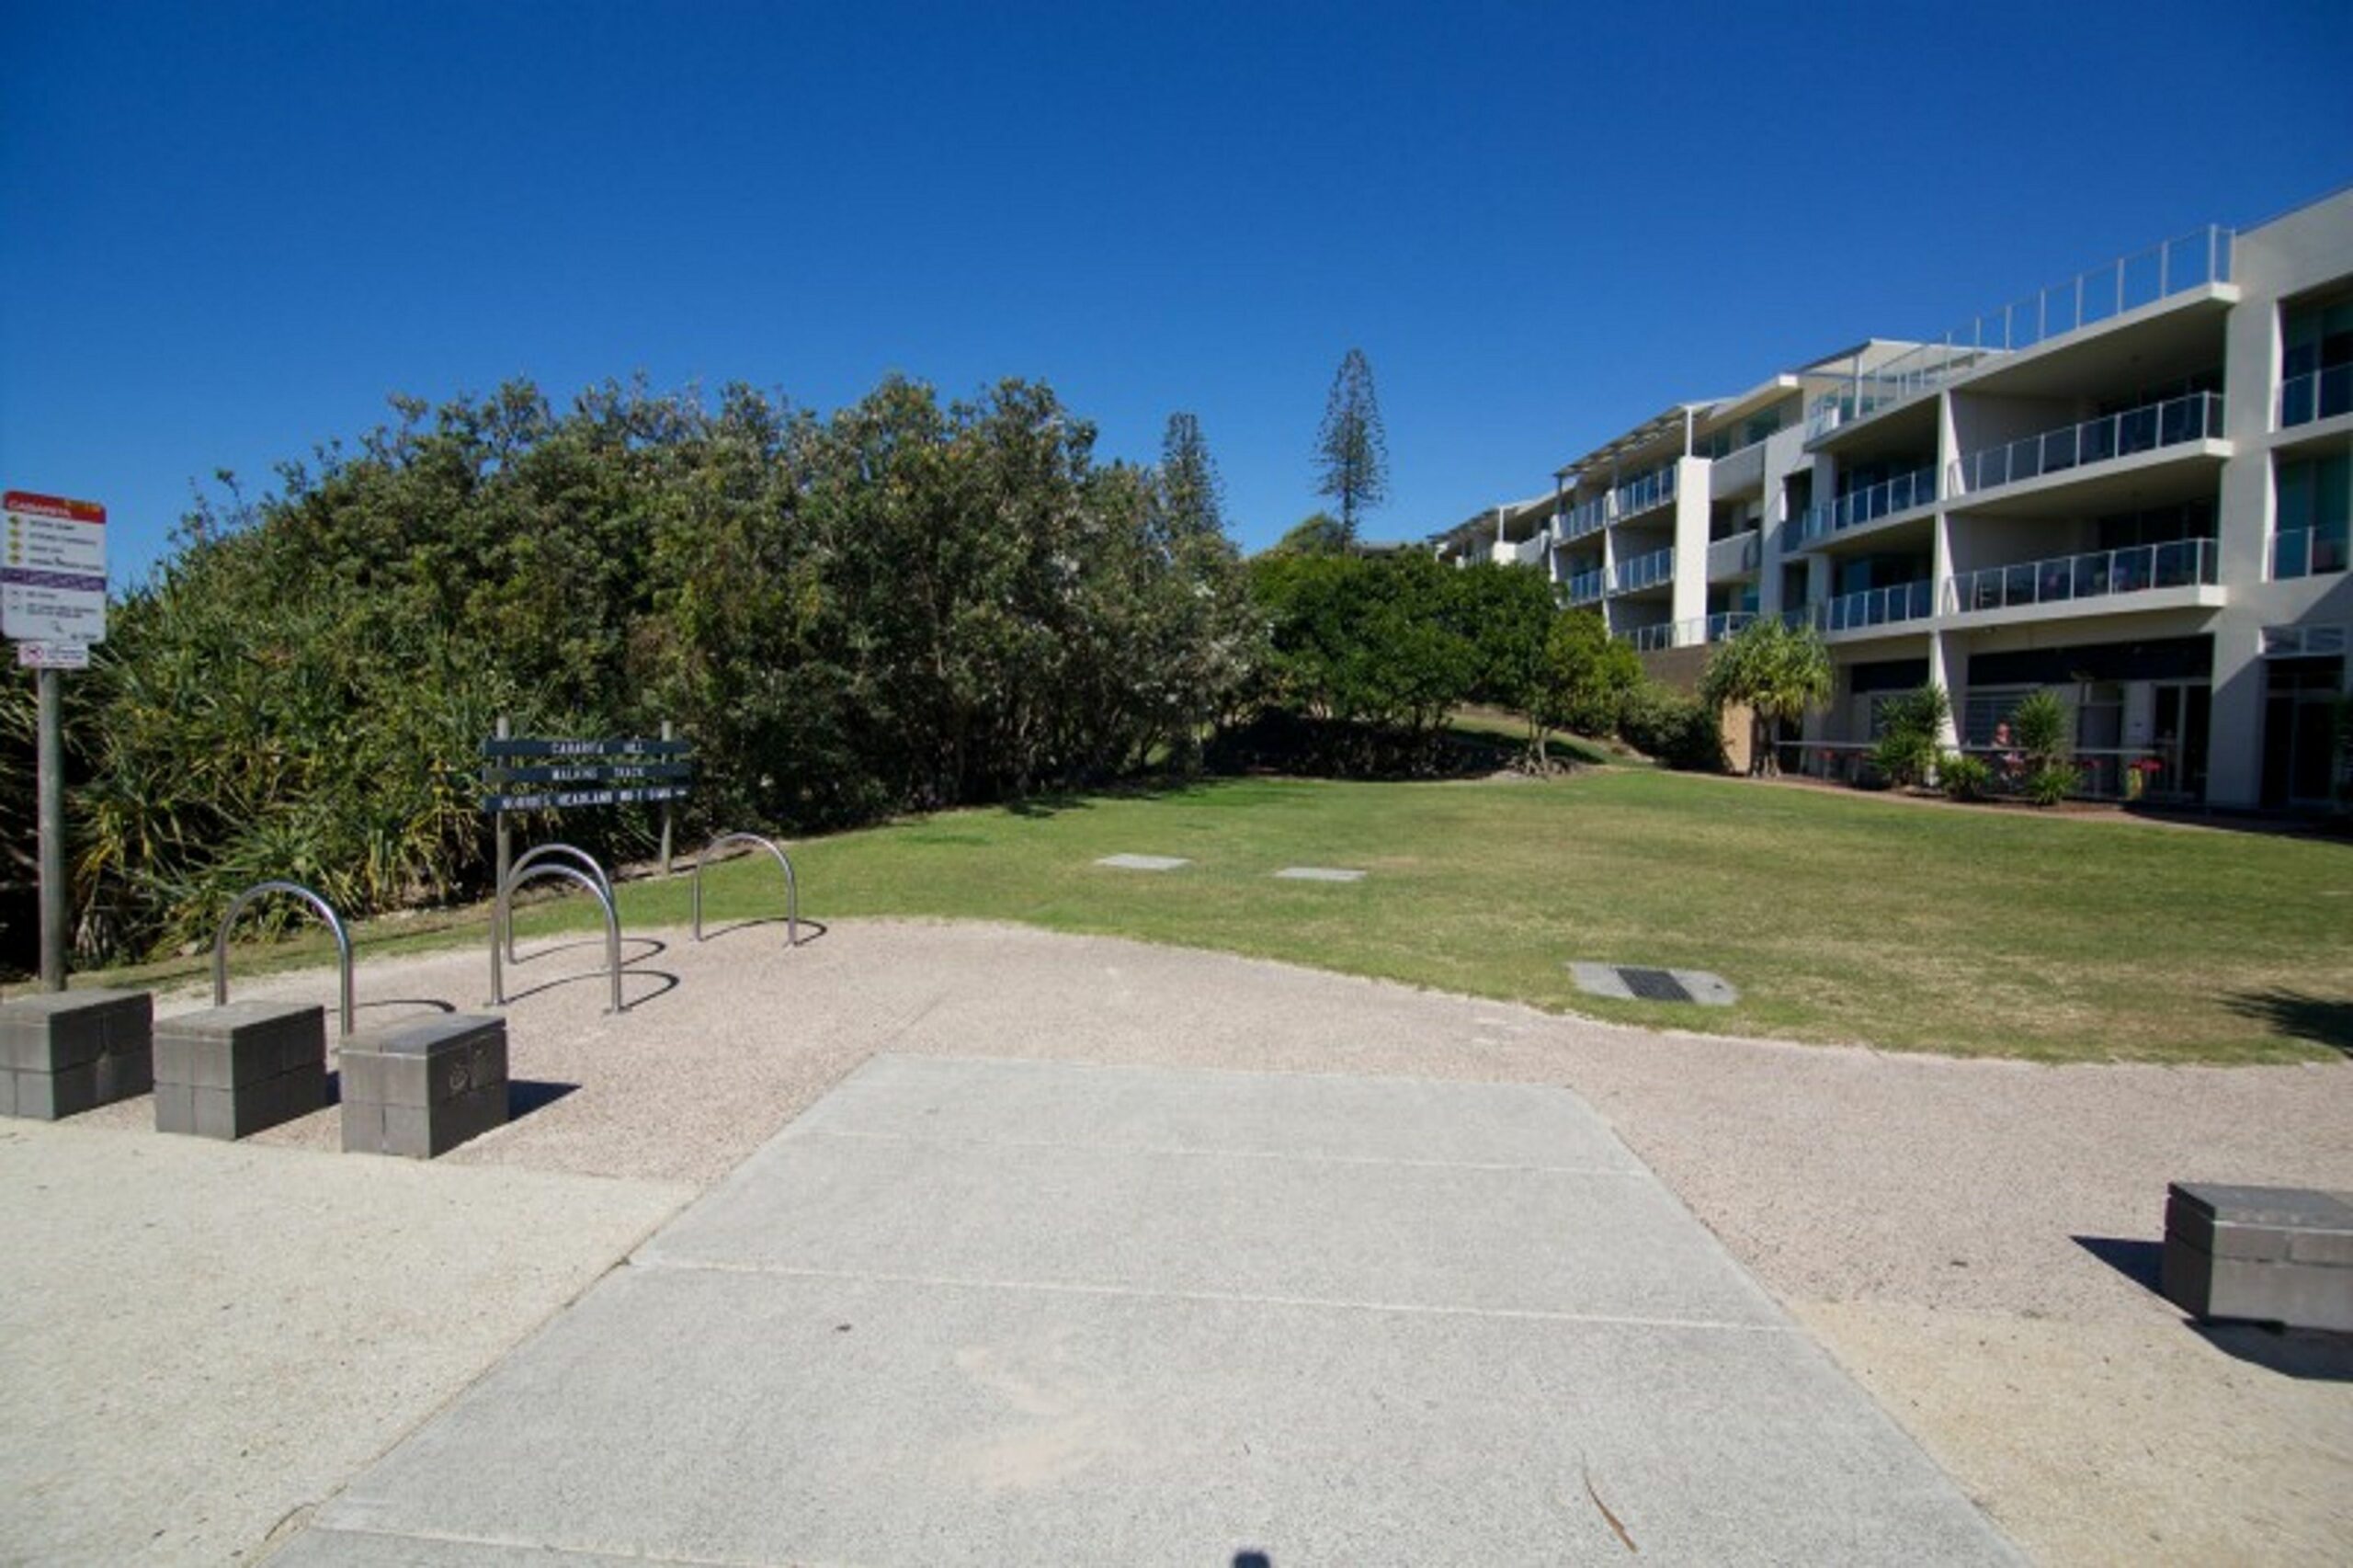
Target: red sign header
[(54, 507)]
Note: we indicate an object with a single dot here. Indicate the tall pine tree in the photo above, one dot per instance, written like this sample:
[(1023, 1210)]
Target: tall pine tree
[(1351, 452), (1191, 493)]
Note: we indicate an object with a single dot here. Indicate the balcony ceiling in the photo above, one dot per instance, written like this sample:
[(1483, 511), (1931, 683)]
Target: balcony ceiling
[(2112, 361), (2161, 478)]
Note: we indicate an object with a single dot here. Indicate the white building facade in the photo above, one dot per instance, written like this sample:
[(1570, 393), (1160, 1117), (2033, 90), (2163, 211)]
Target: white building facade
[(2133, 489)]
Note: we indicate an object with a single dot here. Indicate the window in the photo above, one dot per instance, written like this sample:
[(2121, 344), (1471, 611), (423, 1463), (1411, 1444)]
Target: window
[(2315, 513)]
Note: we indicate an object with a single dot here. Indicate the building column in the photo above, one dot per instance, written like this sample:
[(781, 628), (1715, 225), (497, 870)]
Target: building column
[(2234, 731), (1945, 656)]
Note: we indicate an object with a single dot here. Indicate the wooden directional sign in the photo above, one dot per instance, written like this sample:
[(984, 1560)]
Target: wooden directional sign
[(622, 772)]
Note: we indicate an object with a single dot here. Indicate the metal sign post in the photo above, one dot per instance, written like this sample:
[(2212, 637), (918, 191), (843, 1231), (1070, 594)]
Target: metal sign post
[(53, 603)]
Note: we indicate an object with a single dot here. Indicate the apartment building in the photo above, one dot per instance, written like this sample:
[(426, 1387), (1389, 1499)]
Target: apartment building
[(2132, 489)]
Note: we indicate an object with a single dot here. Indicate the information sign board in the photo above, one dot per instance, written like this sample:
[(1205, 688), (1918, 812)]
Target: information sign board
[(53, 569)]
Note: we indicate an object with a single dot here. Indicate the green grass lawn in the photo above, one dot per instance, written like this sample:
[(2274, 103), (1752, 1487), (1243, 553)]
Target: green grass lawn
[(1840, 917)]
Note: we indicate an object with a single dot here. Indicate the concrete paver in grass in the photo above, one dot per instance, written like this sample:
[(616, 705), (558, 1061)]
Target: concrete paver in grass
[(1143, 862), (969, 1311), (1319, 874), (1632, 982)]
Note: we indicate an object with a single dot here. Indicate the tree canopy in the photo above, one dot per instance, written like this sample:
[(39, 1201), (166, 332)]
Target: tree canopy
[(1777, 671)]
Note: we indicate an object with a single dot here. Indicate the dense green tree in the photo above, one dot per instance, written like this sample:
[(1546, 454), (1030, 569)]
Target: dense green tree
[(1352, 449), (1777, 671), (1586, 677), (1318, 533)]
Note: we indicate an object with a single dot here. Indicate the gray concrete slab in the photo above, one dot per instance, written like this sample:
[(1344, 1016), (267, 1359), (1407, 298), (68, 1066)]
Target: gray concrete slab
[(1141, 1341), (1143, 862), (1319, 874)]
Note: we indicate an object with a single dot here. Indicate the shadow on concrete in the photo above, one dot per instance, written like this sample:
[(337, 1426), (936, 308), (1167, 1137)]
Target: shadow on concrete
[(630, 1001), (810, 929), (2322, 1020), (524, 1096), (653, 946), (421, 1004), (2311, 1355), (2141, 1262)]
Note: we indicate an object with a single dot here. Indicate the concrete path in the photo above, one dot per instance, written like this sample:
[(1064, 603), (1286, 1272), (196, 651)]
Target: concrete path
[(1016, 1311)]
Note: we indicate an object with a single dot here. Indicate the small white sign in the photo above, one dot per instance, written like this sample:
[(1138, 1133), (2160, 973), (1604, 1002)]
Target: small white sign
[(53, 655), (53, 569)]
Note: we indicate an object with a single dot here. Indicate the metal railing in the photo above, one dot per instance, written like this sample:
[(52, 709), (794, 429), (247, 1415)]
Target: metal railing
[(1686, 634), (1655, 488), (1586, 517), (1902, 493), (2307, 553), (1587, 587), (2196, 417), (2317, 394), (2183, 564), (2111, 773), (502, 918), (1642, 570), (572, 852), (2193, 261), (1741, 553), (327, 912), (791, 883), (1873, 607)]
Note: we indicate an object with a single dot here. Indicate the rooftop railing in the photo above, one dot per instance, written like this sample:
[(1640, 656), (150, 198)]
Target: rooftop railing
[(2317, 394), (2177, 266), (2062, 579), (2196, 417), (1835, 516), (1642, 570)]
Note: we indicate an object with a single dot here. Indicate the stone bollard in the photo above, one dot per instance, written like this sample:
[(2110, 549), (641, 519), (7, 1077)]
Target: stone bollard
[(421, 1088), (229, 1072), (2278, 1254), (69, 1051)]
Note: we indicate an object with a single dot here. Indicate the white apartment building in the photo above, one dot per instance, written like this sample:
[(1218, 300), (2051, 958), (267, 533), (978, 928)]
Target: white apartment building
[(2133, 488)]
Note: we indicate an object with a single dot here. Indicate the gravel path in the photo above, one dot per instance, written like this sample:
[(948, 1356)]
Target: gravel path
[(1970, 1238)]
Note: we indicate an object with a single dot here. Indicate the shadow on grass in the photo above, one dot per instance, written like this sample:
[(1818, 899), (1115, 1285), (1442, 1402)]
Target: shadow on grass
[(2322, 1020)]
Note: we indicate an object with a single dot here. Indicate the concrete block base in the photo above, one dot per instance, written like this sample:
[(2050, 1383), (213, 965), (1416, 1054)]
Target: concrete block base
[(69, 1051), (230, 1072), (419, 1089), (2260, 1255)]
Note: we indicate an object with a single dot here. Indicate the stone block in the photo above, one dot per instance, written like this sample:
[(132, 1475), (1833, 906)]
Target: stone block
[(229, 1072), (2263, 1255), (67, 1052), (422, 1087)]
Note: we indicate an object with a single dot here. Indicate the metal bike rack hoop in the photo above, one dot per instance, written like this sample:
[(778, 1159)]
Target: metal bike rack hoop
[(545, 852), (327, 912), (791, 883), (502, 912)]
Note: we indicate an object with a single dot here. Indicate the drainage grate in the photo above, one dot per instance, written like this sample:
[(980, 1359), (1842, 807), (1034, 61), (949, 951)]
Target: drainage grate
[(1652, 985)]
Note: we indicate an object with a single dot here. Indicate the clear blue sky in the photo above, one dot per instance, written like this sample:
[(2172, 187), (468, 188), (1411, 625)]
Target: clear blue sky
[(229, 230)]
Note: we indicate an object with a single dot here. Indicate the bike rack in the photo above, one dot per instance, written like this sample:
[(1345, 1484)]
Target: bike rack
[(327, 912), (791, 883), (543, 852), (502, 917)]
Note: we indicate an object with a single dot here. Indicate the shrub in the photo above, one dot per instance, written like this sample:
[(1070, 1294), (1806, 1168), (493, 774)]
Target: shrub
[(2051, 783), (1911, 726), (1680, 731), (2039, 730), (1964, 777)]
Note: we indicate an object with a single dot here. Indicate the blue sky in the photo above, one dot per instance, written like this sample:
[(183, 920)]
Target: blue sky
[(229, 231)]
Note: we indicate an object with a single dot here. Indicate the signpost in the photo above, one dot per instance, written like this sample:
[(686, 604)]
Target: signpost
[(542, 774), (53, 604)]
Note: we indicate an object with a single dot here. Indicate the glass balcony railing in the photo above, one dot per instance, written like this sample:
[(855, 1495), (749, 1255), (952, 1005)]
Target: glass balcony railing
[(1874, 606), (2317, 394), (1586, 587), (2177, 266), (1726, 623), (1586, 519), (2196, 417), (2307, 553), (1686, 634), (1731, 557), (1900, 493), (1651, 638), (2102, 573), (1655, 488), (1643, 571)]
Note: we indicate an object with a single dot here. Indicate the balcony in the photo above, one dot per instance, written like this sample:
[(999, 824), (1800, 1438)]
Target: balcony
[(2197, 417), (2197, 260), (1653, 489), (1902, 493), (2307, 553), (1588, 518), (1643, 571), (1735, 556), (1527, 552), (1873, 607), (1586, 587), (2066, 579), (2317, 394), (1686, 634)]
